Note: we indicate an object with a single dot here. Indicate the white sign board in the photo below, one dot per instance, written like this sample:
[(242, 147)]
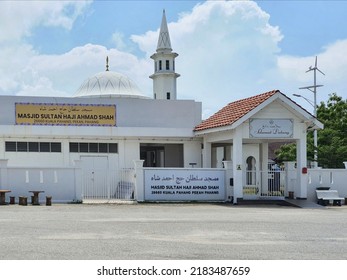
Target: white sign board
[(271, 128), (184, 185)]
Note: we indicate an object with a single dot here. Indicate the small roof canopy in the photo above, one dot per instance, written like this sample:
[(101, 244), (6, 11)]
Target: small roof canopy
[(235, 113)]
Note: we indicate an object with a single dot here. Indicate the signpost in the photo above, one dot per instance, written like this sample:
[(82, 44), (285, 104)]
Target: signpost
[(184, 184)]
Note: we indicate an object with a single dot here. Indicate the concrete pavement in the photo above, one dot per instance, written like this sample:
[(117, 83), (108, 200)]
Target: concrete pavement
[(171, 231)]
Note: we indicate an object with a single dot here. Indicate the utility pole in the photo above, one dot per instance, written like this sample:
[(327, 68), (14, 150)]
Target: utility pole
[(314, 90)]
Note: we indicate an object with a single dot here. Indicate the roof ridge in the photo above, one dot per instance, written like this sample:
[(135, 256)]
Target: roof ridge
[(268, 93)]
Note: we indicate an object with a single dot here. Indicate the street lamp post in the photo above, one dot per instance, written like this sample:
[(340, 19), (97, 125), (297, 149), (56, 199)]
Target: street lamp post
[(314, 90), (308, 100)]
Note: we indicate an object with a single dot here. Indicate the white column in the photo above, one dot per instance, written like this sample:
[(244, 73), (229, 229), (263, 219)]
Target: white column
[(300, 190), (139, 180), (264, 153), (78, 180), (238, 164), (206, 154), (121, 154), (289, 167), (228, 166), (3, 173)]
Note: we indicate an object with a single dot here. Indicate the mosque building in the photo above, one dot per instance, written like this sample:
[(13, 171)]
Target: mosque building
[(110, 117), (110, 123)]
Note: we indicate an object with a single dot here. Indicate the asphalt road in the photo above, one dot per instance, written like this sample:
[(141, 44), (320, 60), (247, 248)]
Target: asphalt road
[(171, 231)]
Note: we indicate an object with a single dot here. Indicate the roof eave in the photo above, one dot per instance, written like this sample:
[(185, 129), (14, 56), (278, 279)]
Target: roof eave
[(214, 129), (313, 123)]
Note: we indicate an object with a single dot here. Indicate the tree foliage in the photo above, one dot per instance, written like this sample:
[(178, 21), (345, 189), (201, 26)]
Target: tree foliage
[(332, 140), (286, 152)]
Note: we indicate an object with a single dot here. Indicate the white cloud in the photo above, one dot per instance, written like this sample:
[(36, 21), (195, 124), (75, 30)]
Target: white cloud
[(227, 51), (118, 41), (19, 73), (332, 61), (20, 17), (61, 75)]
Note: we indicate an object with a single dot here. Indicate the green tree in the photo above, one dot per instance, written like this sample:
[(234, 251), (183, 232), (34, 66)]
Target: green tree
[(286, 152), (332, 140)]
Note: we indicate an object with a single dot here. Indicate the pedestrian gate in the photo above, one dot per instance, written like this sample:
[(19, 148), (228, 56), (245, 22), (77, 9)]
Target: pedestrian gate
[(108, 185)]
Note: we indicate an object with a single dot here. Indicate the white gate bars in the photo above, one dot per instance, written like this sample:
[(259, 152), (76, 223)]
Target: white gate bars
[(107, 185), (270, 183), (273, 183)]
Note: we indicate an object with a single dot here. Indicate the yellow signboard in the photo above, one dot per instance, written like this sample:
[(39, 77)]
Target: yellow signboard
[(65, 114)]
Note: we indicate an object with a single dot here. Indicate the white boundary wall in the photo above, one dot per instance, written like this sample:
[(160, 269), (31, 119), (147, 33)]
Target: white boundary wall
[(63, 184), (335, 179)]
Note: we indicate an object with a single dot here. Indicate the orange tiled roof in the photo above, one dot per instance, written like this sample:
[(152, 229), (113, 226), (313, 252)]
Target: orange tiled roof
[(234, 111)]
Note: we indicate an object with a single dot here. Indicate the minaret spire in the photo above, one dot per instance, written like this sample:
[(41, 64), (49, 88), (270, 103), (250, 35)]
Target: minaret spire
[(164, 36), (107, 63), (164, 77)]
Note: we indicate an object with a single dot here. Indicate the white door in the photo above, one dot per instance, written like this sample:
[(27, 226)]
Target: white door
[(95, 177)]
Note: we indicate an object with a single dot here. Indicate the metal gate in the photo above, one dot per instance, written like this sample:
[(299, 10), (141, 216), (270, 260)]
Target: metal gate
[(108, 185), (265, 184)]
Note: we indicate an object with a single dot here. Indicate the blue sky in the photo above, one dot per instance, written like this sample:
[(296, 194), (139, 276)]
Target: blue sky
[(103, 18), (307, 26), (227, 49)]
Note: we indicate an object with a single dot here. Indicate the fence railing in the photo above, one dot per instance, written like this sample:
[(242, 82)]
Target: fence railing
[(108, 185), (271, 183)]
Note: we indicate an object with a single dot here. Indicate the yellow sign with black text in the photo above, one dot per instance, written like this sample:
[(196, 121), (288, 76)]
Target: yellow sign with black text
[(65, 114)]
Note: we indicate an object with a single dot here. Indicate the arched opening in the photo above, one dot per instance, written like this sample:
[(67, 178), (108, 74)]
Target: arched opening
[(250, 171)]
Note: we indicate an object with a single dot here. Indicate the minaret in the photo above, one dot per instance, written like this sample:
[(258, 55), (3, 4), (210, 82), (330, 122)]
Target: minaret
[(164, 77)]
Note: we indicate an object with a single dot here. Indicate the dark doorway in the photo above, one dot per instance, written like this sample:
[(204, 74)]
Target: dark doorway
[(161, 155)]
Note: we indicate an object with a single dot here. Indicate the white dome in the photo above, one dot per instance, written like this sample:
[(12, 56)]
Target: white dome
[(109, 84)]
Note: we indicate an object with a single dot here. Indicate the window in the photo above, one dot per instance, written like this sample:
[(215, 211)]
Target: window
[(11, 146), (44, 147), (113, 148), (106, 148), (93, 148), (251, 171), (49, 147), (83, 148), (34, 147), (22, 146), (168, 95), (103, 148), (155, 66), (167, 65), (55, 147), (160, 65), (73, 147)]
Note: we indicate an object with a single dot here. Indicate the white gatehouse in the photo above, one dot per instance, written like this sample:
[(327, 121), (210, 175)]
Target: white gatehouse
[(241, 132)]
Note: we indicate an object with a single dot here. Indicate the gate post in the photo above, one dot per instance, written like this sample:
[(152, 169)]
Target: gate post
[(3, 172), (229, 180), (79, 191), (238, 165), (300, 190), (139, 181), (289, 167)]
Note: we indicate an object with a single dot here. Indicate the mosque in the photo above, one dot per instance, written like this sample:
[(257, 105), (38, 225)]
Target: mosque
[(110, 123)]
